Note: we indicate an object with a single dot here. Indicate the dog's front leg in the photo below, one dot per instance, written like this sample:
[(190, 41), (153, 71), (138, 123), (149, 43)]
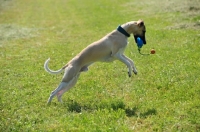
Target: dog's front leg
[(132, 64), (123, 59)]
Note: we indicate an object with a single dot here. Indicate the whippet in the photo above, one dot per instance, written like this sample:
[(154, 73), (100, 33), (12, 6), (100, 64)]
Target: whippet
[(107, 49)]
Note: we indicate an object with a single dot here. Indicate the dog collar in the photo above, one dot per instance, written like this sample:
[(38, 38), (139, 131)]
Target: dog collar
[(121, 30)]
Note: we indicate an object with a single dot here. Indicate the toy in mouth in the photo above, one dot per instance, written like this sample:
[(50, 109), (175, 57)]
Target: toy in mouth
[(139, 42)]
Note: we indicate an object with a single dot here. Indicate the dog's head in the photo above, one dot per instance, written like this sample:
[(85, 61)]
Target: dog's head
[(140, 31)]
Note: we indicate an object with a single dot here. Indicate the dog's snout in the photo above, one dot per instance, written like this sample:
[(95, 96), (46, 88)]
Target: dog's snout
[(144, 40)]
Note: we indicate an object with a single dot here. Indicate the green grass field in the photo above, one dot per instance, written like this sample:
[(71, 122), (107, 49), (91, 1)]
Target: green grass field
[(164, 96)]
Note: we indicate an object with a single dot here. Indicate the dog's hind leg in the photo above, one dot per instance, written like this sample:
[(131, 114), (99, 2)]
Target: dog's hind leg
[(53, 93), (67, 87), (69, 80)]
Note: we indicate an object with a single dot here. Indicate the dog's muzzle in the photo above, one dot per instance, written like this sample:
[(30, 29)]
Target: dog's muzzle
[(142, 37)]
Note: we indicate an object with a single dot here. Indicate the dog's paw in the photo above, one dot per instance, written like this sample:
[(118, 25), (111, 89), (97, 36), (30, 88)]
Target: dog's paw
[(129, 74), (135, 73)]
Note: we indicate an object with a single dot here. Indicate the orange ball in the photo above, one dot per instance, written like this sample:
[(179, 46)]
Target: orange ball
[(153, 51)]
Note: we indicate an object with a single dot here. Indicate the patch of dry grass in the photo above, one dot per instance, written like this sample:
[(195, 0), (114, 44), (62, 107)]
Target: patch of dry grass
[(12, 31), (184, 14)]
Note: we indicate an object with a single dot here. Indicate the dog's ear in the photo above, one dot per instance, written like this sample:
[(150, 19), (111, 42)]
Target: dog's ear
[(140, 23)]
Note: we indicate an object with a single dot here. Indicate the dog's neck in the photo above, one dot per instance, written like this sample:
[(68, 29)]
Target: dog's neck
[(121, 30), (129, 27)]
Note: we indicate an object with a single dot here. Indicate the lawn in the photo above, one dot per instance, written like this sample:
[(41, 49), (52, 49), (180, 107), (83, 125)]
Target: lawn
[(164, 96)]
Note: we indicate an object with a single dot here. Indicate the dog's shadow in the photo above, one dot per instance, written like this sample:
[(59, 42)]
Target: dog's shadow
[(73, 106), (135, 112)]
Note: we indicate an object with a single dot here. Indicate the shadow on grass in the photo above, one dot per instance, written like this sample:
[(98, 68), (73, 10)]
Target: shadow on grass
[(73, 106), (135, 112)]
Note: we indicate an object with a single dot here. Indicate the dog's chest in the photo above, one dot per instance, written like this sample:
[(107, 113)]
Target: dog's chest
[(108, 59), (111, 58), (119, 44)]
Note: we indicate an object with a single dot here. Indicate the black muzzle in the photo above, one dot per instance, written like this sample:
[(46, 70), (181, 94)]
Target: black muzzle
[(142, 37)]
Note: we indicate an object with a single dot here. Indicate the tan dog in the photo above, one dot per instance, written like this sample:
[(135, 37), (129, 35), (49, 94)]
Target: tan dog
[(109, 48)]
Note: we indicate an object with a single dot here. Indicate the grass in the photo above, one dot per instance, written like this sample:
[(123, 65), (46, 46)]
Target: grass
[(164, 96)]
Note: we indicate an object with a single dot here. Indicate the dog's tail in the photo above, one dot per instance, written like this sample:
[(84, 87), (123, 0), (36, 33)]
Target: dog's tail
[(49, 70)]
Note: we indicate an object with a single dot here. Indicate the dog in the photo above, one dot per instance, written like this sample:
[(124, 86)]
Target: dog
[(107, 49)]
